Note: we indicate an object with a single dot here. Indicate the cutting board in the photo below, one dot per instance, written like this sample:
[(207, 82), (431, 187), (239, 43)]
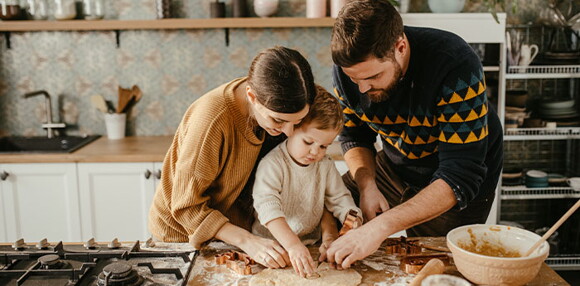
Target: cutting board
[(378, 269)]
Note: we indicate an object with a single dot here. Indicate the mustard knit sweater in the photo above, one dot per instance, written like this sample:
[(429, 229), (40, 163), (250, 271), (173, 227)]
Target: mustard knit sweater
[(207, 166)]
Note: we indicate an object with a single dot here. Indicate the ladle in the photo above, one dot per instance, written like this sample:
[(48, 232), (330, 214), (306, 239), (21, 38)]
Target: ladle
[(553, 228)]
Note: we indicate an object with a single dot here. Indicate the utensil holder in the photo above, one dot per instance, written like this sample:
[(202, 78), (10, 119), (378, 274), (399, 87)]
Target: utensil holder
[(115, 124)]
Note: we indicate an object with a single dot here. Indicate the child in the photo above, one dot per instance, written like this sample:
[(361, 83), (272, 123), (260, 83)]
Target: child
[(298, 187)]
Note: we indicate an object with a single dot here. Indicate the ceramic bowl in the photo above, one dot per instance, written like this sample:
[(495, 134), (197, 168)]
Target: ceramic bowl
[(516, 97), (265, 8), (491, 270)]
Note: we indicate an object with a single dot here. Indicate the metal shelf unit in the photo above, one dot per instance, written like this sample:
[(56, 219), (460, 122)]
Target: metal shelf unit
[(560, 133), (543, 72), (553, 148), (524, 193)]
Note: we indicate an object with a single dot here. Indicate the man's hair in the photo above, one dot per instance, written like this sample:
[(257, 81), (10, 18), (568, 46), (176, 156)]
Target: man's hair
[(282, 80), (365, 28), (325, 112)]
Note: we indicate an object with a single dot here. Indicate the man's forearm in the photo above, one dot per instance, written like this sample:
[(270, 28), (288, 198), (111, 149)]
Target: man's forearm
[(432, 201), (361, 164)]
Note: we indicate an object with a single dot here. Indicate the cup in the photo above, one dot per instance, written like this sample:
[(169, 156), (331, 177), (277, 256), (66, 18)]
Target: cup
[(574, 183), (527, 55), (115, 123), (315, 8), (217, 9)]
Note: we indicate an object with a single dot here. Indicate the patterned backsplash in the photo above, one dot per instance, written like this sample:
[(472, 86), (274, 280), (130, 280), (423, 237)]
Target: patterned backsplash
[(172, 67)]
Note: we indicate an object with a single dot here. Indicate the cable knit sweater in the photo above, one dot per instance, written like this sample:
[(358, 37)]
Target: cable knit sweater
[(298, 194), (206, 168)]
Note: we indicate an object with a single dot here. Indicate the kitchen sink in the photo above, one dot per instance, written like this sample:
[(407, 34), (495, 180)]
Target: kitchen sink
[(62, 144)]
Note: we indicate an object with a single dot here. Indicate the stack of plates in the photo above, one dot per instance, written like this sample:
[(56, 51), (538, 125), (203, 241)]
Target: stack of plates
[(558, 109), (536, 179)]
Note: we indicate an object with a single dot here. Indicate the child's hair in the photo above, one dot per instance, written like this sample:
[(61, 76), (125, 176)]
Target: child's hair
[(325, 112)]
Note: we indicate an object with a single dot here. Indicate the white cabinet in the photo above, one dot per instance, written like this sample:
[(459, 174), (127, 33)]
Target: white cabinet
[(115, 199), (39, 201)]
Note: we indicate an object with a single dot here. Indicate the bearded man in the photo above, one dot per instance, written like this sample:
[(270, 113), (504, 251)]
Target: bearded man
[(423, 92)]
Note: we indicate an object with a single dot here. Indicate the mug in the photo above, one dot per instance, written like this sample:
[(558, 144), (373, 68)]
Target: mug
[(527, 54), (574, 183)]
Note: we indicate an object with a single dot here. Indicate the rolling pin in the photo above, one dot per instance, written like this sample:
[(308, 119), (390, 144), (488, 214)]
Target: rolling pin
[(433, 266)]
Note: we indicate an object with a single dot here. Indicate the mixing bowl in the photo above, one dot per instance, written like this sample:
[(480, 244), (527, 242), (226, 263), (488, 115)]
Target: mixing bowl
[(493, 270)]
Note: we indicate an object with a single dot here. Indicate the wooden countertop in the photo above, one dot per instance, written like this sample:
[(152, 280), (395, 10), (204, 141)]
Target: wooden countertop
[(128, 149)]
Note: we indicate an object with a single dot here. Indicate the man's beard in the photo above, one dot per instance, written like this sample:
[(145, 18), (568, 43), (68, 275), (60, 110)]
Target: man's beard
[(385, 93)]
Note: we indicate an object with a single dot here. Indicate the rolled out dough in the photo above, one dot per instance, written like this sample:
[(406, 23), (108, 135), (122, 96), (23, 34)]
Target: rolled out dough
[(287, 276)]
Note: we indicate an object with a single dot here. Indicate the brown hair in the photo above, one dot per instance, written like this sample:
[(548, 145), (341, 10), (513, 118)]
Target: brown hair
[(325, 111), (282, 80), (364, 28)]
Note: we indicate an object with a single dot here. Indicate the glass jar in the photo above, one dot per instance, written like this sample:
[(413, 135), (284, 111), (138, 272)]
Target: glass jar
[(38, 9), (65, 9), (11, 10), (93, 9)]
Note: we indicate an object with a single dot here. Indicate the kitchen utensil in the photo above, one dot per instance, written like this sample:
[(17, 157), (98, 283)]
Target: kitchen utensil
[(38, 9), (123, 98), (11, 10), (527, 55), (493, 270), (434, 266), (115, 124), (99, 102), (110, 106), (137, 92), (265, 8), (553, 228), (413, 264), (93, 9), (65, 9), (574, 183)]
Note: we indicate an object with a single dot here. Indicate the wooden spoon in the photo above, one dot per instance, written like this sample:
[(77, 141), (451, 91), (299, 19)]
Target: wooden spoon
[(99, 102), (553, 228)]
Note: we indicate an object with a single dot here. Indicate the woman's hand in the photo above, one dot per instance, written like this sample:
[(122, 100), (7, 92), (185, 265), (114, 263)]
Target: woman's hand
[(266, 252), (301, 259)]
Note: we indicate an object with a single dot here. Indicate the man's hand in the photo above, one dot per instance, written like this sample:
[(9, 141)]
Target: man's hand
[(266, 252), (301, 259), (354, 245), (372, 202)]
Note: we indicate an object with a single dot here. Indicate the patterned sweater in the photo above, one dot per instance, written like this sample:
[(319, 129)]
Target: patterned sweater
[(437, 123)]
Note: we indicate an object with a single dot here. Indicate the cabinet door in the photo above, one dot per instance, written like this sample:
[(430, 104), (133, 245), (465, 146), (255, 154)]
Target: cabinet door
[(115, 200), (40, 201)]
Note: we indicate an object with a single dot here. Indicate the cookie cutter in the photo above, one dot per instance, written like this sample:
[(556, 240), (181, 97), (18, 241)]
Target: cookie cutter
[(402, 246), (350, 222), (238, 262), (412, 264)]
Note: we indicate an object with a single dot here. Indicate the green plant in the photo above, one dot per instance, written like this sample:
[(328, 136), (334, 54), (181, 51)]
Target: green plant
[(492, 6)]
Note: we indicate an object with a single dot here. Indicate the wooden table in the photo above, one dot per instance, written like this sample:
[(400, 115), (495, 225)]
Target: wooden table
[(377, 268)]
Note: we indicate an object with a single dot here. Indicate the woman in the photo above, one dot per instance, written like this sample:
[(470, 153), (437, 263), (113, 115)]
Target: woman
[(205, 189)]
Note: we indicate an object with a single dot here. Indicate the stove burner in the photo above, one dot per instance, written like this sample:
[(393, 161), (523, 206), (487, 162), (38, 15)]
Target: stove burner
[(52, 261), (119, 273)]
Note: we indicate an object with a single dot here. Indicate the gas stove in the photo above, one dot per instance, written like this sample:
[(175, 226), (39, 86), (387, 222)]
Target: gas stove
[(95, 264)]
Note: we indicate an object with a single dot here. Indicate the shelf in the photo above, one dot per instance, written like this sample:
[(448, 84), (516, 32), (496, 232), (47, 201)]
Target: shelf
[(490, 68), (543, 72), (524, 193), (564, 263), (164, 24), (463, 24), (560, 133)]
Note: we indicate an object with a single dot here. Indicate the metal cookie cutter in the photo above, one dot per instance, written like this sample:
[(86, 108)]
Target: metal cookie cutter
[(412, 264), (350, 222), (402, 246), (238, 262)]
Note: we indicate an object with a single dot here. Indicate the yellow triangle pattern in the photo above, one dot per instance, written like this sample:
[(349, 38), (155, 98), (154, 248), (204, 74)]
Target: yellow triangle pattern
[(471, 138), (470, 93), (472, 116), (455, 98), (442, 102), (455, 139), (432, 139), (365, 118), (455, 118), (347, 110), (400, 120), (414, 122), (480, 88), (376, 120), (483, 110), (387, 121), (350, 124), (419, 141), (338, 95)]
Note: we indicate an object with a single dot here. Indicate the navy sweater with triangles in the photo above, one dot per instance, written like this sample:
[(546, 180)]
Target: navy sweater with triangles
[(437, 123)]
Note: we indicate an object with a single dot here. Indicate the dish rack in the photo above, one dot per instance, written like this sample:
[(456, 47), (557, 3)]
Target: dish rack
[(554, 150)]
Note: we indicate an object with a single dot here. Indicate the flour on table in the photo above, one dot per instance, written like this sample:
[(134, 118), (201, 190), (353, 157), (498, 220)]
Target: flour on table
[(287, 276)]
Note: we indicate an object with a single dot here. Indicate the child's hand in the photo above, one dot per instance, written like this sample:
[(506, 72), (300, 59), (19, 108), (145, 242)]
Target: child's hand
[(301, 259), (324, 246)]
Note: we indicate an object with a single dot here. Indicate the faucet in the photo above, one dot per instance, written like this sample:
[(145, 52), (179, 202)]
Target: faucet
[(49, 125)]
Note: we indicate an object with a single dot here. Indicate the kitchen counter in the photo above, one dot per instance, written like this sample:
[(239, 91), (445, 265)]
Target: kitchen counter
[(377, 269), (128, 149)]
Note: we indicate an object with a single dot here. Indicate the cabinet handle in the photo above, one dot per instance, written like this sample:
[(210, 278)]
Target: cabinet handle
[(147, 174), (158, 174), (4, 175)]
